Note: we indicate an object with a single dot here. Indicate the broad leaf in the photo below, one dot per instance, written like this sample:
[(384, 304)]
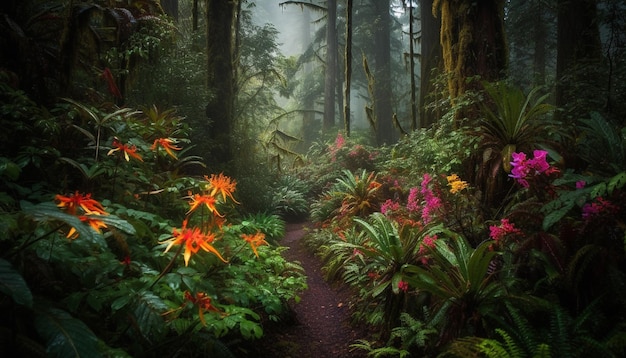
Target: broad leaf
[(65, 335), (13, 285)]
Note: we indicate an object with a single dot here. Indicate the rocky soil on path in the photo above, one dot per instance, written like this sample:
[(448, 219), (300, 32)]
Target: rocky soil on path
[(321, 326)]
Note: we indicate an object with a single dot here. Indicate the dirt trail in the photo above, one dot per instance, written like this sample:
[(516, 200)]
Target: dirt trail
[(321, 328)]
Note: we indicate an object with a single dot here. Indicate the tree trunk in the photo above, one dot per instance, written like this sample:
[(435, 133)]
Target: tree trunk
[(331, 67), (579, 50), (220, 77), (382, 74), (540, 33), (414, 124), (473, 44), (170, 7), (348, 68), (430, 60)]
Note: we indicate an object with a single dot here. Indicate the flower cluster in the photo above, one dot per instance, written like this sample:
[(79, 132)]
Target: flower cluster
[(432, 203), (599, 207), (203, 301), (504, 229), (255, 241), (85, 208), (215, 190), (194, 240), (169, 145), (125, 150), (427, 244), (525, 169), (339, 142), (456, 184)]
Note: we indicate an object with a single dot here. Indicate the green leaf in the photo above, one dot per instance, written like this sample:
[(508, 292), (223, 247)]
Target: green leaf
[(65, 335), (13, 285), (148, 314), (617, 181), (554, 216), (49, 212), (112, 220)]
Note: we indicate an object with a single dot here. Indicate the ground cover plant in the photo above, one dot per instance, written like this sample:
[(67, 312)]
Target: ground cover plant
[(439, 271), (151, 159), (130, 256)]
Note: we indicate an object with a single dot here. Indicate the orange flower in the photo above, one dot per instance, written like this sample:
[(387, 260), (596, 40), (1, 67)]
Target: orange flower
[(95, 224), (198, 200), (255, 241), (223, 184), (194, 240), (78, 200), (129, 151), (203, 302), (167, 144)]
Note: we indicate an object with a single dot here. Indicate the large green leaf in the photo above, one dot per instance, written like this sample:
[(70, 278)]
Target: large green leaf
[(49, 212), (13, 285), (148, 314), (65, 335)]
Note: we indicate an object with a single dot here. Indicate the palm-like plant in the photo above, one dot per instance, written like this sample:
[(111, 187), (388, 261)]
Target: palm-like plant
[(459, 279), (360, 194), (386, 250), (512, 121)]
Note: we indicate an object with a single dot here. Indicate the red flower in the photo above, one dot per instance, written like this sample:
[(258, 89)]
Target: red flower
[(128, 151)]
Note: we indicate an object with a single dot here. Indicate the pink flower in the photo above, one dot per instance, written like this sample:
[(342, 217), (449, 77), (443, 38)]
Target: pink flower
[(580, 184), (389, 206), (497, 233), (403, 286), (524, 169), (428, 242), (597, 208), (413, 202)]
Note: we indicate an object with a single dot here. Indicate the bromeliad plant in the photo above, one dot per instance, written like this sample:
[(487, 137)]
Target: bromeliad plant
[(459, 277)]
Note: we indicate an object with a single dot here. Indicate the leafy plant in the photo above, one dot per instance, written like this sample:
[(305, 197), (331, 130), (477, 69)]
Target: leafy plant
[(459, 278)]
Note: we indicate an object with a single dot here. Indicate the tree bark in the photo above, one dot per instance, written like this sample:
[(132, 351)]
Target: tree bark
[(382, 74), (348, 68), (330, 79), (430, 60), (220, 77), (578, 50), (473, 44), (170, 7)]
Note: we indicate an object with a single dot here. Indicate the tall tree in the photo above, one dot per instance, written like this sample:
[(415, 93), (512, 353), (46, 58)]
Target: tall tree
[(348, 67), (430, 60), (473, 43), (220, 19), (330, 81), (579, 54), (382, 73)]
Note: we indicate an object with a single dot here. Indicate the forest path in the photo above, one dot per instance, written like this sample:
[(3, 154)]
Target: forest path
[(322, 317)]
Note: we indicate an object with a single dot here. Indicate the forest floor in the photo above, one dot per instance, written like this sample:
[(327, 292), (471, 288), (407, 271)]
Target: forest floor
[(321, 325)]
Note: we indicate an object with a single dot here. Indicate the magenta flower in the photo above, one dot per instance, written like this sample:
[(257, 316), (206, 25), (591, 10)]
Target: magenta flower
[(427, 242), (389, 206), (599, 207), (524, 169), (499, 232), (580, 184), (413, 202)]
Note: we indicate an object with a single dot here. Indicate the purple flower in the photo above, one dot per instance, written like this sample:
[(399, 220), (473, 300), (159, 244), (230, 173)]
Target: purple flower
[(580, 184)]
